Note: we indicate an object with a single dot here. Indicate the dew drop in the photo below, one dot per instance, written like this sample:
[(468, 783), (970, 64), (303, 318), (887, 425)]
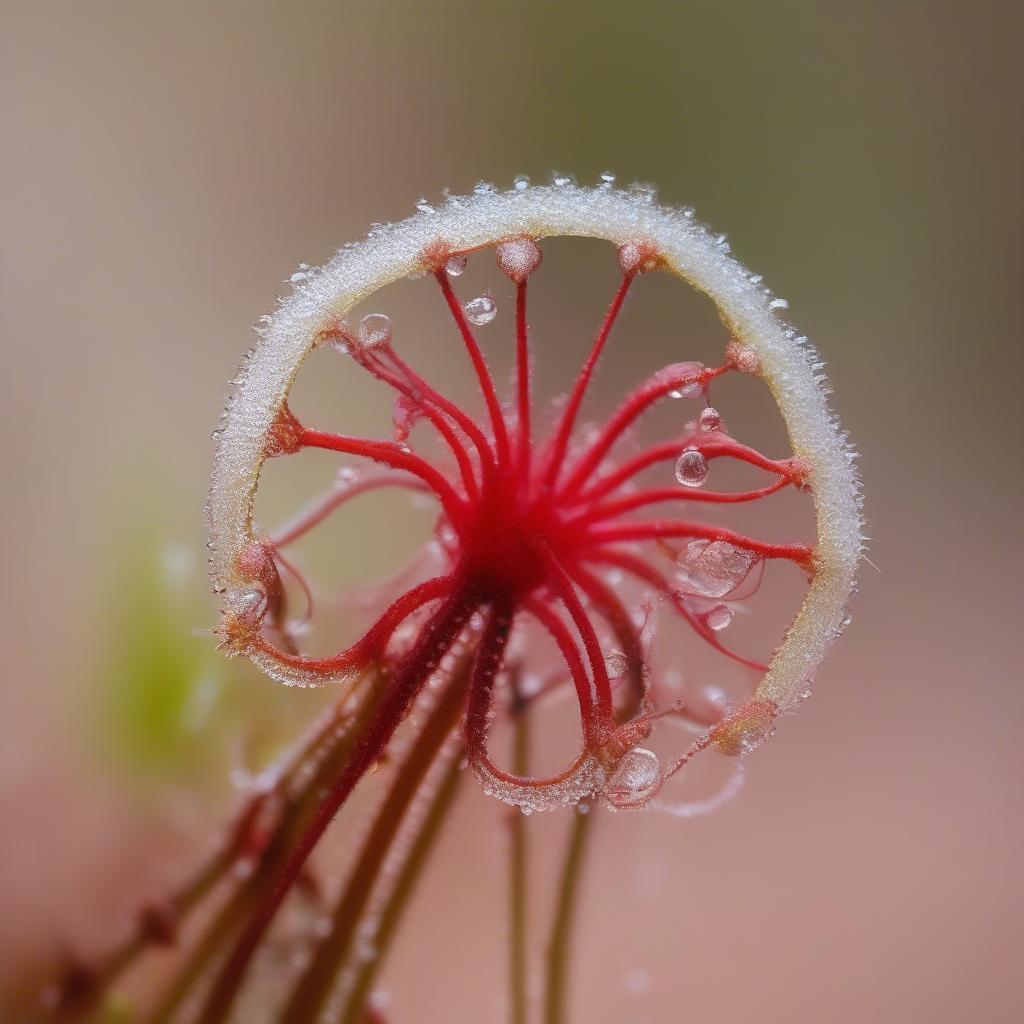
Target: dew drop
[(644, 191), (423, 205), (778, 304), (616, 665), (456, 265), (346, 476), (635, 780), (521, 182), (607, 179), (713, 568), (710, 420), (688, 212), (374, 330), (720, 617), (481, 310), (691, 468), (484, 188), (562, 180), (689, 388)]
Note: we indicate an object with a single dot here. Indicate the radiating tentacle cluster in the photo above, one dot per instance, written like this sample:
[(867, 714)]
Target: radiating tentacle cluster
[(531, 527)]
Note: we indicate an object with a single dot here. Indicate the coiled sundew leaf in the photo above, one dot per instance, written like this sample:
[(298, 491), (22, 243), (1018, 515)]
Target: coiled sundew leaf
[(763, 344)]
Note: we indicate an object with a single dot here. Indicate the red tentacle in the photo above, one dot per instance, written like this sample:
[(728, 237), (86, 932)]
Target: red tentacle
[(560, 439)]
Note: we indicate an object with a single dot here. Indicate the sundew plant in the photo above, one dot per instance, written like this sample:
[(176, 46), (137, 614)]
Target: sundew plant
[(573, 555)]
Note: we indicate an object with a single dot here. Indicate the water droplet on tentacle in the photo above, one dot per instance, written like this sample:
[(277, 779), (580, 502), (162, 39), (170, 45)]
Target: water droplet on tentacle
[(521, 182), (635, 780), (374, 330), (713, 568), (481, 310), (616, 665), (456, 265), (720, 617), (688, 386), (710, 420), (691, 468)]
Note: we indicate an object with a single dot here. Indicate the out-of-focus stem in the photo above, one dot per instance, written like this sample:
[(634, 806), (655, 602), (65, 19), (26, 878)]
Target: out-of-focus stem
[(330, 747), (354, 1009), (419, 662), (217, 931), (518, 876), (562, 926), (177, 907), (314, 985)]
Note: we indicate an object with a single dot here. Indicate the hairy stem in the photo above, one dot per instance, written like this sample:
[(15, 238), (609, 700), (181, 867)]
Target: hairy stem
[(314, 985), (328, 756), (422, 659), (321, 743), (354, 1009)]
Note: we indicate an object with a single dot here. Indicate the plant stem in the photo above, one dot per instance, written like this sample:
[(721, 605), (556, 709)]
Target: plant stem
[(561, 929), (217, 931), (177, 907), (332, 747), (312, 988), (353, 1010), (518, 878), (436, 637)]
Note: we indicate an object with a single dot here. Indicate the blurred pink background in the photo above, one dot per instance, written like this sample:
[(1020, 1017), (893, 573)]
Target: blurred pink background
[(167, 166)]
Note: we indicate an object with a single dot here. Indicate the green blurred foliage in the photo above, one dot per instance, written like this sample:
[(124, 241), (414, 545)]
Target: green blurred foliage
[(163, 702), (169, 704)]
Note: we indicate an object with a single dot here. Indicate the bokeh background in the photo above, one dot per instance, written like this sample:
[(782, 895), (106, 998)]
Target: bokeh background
[(166, 166)]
